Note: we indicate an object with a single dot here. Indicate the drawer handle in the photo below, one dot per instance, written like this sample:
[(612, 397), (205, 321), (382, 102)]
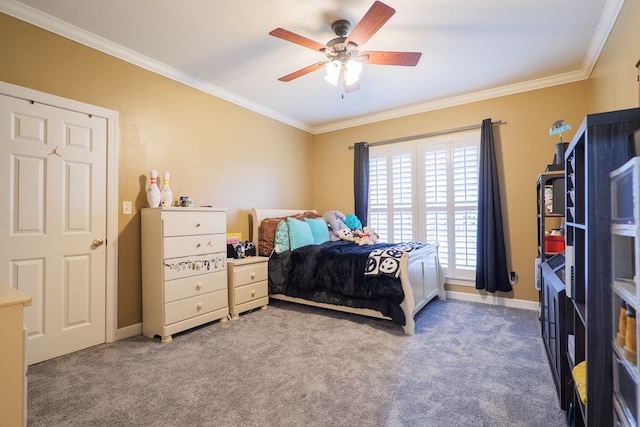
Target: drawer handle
[(253, 293), (198, 245), (198, 286), (197, 225), (253, 276), (199, 306)]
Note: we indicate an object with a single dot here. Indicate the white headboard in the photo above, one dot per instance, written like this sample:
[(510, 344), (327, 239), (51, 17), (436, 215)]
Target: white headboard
[(258, 214)]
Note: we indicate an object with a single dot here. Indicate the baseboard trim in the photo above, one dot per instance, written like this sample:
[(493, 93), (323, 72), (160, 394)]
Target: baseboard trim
[(494, 300), (136, 329), (129, 331)]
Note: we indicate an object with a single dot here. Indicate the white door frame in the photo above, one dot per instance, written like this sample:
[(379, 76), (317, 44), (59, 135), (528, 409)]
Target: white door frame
[(112, 117)]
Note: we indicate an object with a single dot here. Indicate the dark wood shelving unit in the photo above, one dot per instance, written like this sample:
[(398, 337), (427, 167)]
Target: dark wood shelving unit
[(600, 145)]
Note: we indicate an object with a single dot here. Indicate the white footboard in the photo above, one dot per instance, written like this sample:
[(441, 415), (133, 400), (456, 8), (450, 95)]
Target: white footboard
[(422, 280)]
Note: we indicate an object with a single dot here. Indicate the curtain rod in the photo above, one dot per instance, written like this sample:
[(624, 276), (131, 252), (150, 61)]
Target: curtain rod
[(428, 134)]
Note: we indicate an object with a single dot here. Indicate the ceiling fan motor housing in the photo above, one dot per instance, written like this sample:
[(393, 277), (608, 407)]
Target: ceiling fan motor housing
[(341, 27)]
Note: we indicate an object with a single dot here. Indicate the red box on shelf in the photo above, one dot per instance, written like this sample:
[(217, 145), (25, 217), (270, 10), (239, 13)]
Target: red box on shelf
[(553, 243)]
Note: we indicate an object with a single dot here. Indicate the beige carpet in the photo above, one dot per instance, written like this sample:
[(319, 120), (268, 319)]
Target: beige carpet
[(468, 365)]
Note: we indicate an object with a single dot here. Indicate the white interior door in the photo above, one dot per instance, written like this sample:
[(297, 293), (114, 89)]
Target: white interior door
[(53, 223)]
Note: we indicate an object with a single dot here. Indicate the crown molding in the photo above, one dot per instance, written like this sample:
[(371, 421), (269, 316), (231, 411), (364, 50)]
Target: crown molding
[(64, 29), (455, 101), (608, 19), (57, 26)]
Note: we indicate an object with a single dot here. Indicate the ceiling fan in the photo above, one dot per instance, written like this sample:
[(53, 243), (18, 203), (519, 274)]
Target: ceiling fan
[(344, 59)]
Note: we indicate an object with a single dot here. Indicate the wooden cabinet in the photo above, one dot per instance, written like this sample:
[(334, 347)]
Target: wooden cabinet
[(600, 145), (248, 285), (184, 269), (553, 322), (13, 392), (550, 203)]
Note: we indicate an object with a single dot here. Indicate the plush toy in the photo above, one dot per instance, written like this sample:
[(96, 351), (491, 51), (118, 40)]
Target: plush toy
[(335, 221), (374, 236), (345, 234), (353, 222), (362, 238)]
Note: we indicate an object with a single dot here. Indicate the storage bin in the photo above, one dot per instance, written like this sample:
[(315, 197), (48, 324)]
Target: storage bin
[(625, 193), (553, 243), (625, 389)]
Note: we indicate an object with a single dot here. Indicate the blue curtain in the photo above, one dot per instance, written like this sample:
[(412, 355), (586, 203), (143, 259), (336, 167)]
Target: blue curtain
[(491, 266), (361, 180)]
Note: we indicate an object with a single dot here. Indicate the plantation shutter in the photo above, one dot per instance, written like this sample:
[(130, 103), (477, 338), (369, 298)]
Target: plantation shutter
[(402, 183)]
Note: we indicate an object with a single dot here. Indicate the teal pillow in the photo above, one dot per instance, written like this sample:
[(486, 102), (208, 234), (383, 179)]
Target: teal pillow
[(319, 229), (281, 239), (299, 233)]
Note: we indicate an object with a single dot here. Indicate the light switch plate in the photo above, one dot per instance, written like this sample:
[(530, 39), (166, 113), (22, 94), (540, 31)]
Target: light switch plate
[(126, 208)]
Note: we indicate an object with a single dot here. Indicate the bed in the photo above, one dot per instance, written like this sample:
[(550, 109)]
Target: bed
[(418, 280)]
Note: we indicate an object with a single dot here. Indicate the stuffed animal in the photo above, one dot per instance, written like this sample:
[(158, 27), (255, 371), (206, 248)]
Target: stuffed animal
[(353, 222), (362, 238), (374, 236), (335, 221), (345, 234)]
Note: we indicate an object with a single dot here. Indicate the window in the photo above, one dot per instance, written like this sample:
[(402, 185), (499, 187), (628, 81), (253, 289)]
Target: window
[(427, 190)]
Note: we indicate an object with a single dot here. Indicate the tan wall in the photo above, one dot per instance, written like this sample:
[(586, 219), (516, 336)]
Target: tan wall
[(224, 155), (524, 148), (217, 153), (613, 84)]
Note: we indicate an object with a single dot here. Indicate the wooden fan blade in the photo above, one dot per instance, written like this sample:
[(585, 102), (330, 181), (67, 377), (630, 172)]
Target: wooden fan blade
[(302, 72), (351, 88), (409, 59), (372, 21), (287, 35)]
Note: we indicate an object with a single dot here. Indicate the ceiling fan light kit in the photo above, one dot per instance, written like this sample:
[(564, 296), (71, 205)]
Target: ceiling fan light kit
[(344, 60)]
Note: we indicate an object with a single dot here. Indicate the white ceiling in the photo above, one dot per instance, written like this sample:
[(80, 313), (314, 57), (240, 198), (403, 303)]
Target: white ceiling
[(471, 50)]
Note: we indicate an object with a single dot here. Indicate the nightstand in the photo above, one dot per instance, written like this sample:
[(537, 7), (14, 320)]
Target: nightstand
[(248, 284)]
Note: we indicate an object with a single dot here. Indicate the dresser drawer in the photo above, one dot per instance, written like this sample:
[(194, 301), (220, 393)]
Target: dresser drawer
[(194, 245), (250, 292), (183, 223), (250, 273), (191, 307), (179, 268), (195, 285)]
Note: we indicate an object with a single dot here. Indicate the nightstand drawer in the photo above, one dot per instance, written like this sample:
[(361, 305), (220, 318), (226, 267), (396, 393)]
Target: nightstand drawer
[(250, 292), (194, 245), (194, 306), (195, 222), (250, 273), (192, 286)]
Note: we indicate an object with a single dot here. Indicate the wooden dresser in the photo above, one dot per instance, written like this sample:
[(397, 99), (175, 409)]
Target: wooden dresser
[(248, 286), (184, 271), (13, 389)]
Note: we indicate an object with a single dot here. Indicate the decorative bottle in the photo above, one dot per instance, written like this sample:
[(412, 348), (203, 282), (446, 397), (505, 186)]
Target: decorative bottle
[(166, 195), (153, 193)]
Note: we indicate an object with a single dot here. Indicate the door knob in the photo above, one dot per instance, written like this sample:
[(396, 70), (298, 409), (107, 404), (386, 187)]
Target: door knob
[(98, 242)]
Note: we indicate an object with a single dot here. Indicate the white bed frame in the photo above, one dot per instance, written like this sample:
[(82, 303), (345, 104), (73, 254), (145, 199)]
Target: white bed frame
[(421, 276)]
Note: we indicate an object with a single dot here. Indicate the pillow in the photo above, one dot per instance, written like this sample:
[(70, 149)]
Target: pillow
[(299, 233), (267, 233), (319, 229), (281, 240), (311, 214)]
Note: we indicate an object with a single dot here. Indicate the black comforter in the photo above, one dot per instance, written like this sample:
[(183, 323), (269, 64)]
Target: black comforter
[(333, 273)]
